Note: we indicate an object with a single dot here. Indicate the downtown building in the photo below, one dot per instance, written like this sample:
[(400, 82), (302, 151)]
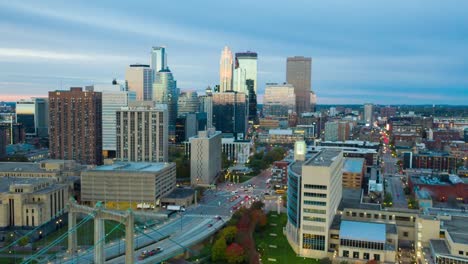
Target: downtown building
[(158, 59), (206, 106), (33, 114), (245, 69), (75, 125), (299, 74), (279, 100), (225, 70), (188, 102), (139, 79), (142, 132), (165, 92), (337, 131), (205, 158), (230, 113), (113, 98)]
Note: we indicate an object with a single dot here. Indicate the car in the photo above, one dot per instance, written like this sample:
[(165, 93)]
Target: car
[(210, 225)]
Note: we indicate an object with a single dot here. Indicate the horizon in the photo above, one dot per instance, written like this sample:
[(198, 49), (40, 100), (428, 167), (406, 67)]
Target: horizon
[(417, 59)]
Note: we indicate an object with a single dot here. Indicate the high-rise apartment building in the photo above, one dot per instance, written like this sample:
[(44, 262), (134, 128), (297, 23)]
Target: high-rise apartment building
[(158, 59), (165, 92), (337, 131), (225, 70), (369, 114), (205, 158), (245, 68), (33, 114), (230, 113), (142, 132), (188, 103), (113, 98), (279, 100), (314, 194), (139, 78), (298, 73), (75, 125)]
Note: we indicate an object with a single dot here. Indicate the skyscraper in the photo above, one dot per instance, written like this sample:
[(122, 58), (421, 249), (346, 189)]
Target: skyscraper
[(113, 98), (245, 69), (158, 59), (33, 114), (298, 73), (252, 97), (142, 132), (165, 92), (206, 106), (279, 100), (75, 125), (230, 113), (368, 114), (188, 103), (225, 70), (205, 157), (139, 78)]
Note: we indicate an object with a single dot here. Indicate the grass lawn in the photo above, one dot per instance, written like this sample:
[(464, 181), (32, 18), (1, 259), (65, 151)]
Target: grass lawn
[(283, 252), (85, 234)]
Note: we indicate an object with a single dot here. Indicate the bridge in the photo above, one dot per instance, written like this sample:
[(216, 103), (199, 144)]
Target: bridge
[(175, 235)]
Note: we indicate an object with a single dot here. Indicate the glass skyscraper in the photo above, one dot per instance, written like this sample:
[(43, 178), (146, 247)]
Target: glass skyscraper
[(165, 92), (33, 114), (230, 113), (279, 100), (158, 59), (245, 69), (225, 70)]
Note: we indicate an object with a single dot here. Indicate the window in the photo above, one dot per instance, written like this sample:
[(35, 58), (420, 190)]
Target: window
[(311, 241), (384, 217), (354, 214), (313, 186), (460, 252), (366, 256), (369, 215), (376, 216), (319, 195), (345, 253), (314, 211), (361, 214), (313, 218), (405, 234), (390, 217), (356, 254), (335, 236), (315, 203), (377, 257)]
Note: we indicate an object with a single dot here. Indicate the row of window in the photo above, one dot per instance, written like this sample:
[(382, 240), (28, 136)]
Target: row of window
[(356, 255), (314, 219), (308, 202), (319, 195), (382, 216), (313, 186), (362, 244), (315, 242), (314, 211)]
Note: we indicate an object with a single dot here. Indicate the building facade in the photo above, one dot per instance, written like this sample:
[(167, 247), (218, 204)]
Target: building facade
[(75, 125), (205, 158), (33, 114), (369, 114), (142, 132), (139, 79), (353, 172), (245, 68), (158, 59), (337, 131), (124, 185), (165, 92), (299, 74), (188, 103), (279, 100), (230, 112)]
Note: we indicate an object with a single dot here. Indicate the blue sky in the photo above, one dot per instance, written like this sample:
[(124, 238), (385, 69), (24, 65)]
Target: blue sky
[(397, 52)]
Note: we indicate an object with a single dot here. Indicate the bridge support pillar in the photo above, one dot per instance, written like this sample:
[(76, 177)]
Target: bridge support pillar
[(129, 238), (72, 239), (99, 237)]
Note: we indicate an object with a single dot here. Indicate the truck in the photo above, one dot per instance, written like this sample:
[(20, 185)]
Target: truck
[(177, 208)]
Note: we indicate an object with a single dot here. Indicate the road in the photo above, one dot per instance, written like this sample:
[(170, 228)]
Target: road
[(395, 186)]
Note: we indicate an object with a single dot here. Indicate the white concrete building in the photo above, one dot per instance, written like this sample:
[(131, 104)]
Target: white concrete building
[(205, 158)]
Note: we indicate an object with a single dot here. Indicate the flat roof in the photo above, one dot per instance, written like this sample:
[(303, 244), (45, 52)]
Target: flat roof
[(6, 182), (353, 165), (324, 158), (363, 231), (457, 229), (21, 167), (180, 193), (351, 199), (133, 167), (439, 246)]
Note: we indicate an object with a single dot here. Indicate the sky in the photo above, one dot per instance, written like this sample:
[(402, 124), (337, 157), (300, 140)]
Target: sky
[(384, 52)]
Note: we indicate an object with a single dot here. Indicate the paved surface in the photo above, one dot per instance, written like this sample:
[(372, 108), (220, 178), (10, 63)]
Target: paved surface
[(395, 187)]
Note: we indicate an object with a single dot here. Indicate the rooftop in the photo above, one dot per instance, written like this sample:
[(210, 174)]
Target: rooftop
[(21, 167), (363, 231), (352, 200), (133, 167), (353, 165), (324, 158), (6, 182), (439, 246), (180, 193), (457, 229)]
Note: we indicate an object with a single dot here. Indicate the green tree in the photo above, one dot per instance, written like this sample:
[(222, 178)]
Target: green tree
[(229, 233), (257, 205), (225, 161), (388, 200), (218, 252), (325, 261), (23, 241)]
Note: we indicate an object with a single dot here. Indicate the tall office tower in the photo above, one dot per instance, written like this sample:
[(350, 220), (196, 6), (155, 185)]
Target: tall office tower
[(165, 92), (245, 69), (206, 106), (205, 158), (188, 103), (298, 73), (139, 78), (142, 132), (252, 95), (337, 131), (225, 70), (314, 193), (158, 59), (230, 113), (33, 114), (113, 98), (75, 125), (313, 101), (369, 114), (4, 140), (279, 100)]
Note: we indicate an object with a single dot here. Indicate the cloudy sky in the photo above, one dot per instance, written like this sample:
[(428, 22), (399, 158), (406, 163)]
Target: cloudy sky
[(363, 51)]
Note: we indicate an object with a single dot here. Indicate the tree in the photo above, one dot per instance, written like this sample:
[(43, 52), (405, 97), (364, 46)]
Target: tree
[(325, 261), (225, 161), (257, 205), (23, 241), (218, 252), (388, 200), (235, 254), (229, 233)]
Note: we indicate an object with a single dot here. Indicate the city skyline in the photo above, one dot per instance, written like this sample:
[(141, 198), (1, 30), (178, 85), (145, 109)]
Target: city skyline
[(421, 57)]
